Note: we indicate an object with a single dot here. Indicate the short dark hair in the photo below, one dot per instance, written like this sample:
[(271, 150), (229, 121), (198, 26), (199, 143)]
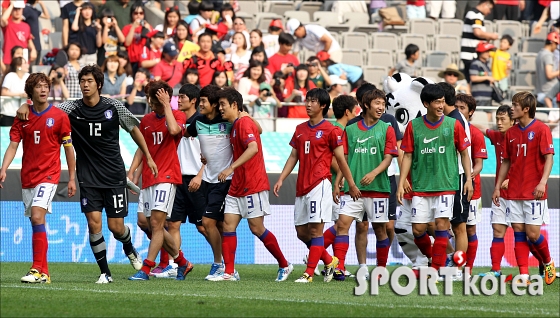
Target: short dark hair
[(342, 103), (96, 72), (431, 92), (152, 88), (505, 109), (260, 49), (362, 90), (135, 6), (231, 95), (410, 50), (449, 91), (193, 7), (468, 100), (322, 96), (78, 45), (205, 34), (206, 6), (210, 92), (371, 96), (483, 1), (33, 80), (191, 91), (526, 100), (285, 38), (508, 38)]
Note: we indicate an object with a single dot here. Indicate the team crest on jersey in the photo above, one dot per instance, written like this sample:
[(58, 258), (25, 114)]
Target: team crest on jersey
[(108, 114), (342, 203), (50, 122), (222, 127), (146, 205), (531, 135), (319, 134), (84, 201), (446, 131)]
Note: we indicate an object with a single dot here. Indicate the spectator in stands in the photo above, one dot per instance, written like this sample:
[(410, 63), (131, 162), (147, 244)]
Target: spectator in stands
[(88, 33), (239, 55), (263, 107), (220, 79), (238, 26), (170, 22), (278, 88), (501, 63), (283, 60), (72, 69), (181, 37), (136, 90), (226, 16), (256, 39), (135, 35), (201, 60), (114, 81), (547, 71), (481, 77), (415, 9), (464, 6), (111, 36), (59, 90), (451, 75), (16, 51), (549, 13), (376, 5), (314, 38), (32, 15), (190, 76), (193, 7), (168, 69), (337, 88), (508, 9), (198, 24), (317, 74), (250, 83), (474, 31), (151, 53), (408, 65), (354, 74), (13, 86), (270, 40), (16, 32), (257, 54), (341, 7), (121, 9), (296, 90), (68, 14), (446, 8), (125, 64)]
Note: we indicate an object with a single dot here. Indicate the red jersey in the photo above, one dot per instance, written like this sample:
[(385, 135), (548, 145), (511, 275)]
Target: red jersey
[(277, 62), (163, 148), (526, 147), (138, 43), (478, 151), (42, 136), (171, 74), (15, 34), (315, 146), (149, 54), (498, 140), (250, 177)]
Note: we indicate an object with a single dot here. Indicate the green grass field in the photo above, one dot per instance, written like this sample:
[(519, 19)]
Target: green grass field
[(73, 293)]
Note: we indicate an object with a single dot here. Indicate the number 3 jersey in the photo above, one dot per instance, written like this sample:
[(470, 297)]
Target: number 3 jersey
[(42, 136), (95, 136), (163, 148), (525, 147)]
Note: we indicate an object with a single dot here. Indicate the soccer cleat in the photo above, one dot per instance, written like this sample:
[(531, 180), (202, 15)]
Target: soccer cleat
[(236, 274), (45, 279), (140, 275), (348, 274), (105, 279), (491, 273), (305, 278), (339, 275), (215, 270), (32, 277), (283, 273), (182, 271), (224, 277), (549, 273), (168, 272), (458, 277), (135, 260), (157, 270), (329, 269)]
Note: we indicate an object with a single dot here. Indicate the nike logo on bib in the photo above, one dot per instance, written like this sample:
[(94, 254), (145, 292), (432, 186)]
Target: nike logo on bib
[(430, 140), (364, 140)]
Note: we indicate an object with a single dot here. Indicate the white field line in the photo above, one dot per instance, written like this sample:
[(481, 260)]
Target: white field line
[(532, 312)]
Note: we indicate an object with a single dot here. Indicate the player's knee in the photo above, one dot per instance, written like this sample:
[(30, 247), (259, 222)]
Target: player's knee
[(498, 232), (37, 219), (361, 228), (208, 223), (257, 230), (533, 236), (380, 230), (471, 230), (202, 230)]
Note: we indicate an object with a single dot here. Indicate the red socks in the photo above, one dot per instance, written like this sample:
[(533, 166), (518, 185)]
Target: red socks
[(522, 252), (271, 244), (424, 244), (163, 258), (438, 251), (471, 251), (541, 248), (497, 251), (382, 248), (40, 246), (329, 236), (229, 246), (180, 259), (316, 250), (340, 248), (147, 266)]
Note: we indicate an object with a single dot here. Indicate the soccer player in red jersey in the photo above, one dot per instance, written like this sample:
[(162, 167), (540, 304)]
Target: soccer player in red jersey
[(314, 143), (467, 106), (528, 157), (162, 129), (248, 193), (499, 218), (430, 144), (47, 128)]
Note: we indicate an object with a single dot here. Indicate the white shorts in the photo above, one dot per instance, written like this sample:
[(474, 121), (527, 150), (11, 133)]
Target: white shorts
[(475, 212), (336, 210), (427, 209), (377, 209), (533, 212), (159, 197), (40, 196), (405, 214), (251, 206), (316, 206), (140, 203), (500, 214)]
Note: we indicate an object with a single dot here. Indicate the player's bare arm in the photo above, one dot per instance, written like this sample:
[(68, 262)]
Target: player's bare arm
[(250, 152), (407, 187), (466, 162), (504, 168), (477, 167), (288, 167), (8, 158), (71, 162), (23, 112), (172, 125), (195, 183), (368, 178), (406, 163), (135, 170), (338, 180), (541, 187), (345, 170), (139, 140)]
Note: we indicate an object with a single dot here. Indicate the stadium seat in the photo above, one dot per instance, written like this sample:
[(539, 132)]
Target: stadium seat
[(302, 16), (489, 25), (431, 73), (352, 57), (438, 59), (251, 7), (355, 18), (310, 7), (525, 78), (53, 7), (385, 41), (532, 45), (57, 24), (55, 40), (396, 29), (338, 28), (525, 61), (450, 27), (263, 19), (447, 43), (426, 27), (279, 7), (513, 28), (325, 17), (337, 37), (375, 74), (541, 35), (250, 21), (153, 15), (418, 39), (382, 58), (366, 28), (355, 40)]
